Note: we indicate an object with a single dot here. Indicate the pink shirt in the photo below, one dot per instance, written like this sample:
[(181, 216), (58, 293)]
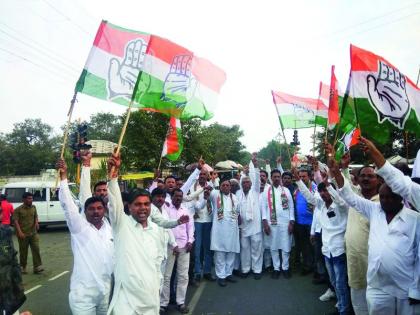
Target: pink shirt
[(183, 233)]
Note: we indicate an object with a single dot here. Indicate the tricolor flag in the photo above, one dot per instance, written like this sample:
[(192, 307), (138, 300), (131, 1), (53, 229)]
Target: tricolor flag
[(381, 97), (115, 60), (349, 139), (299, 112), (333, 102), (176, 82), (174, 144), (126, 65)]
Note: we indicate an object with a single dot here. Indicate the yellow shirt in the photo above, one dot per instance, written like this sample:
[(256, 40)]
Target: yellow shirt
[(356, 238)]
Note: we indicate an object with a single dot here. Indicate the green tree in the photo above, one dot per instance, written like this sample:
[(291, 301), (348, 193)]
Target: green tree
[(273, 150), (104, 126), (29, 148)]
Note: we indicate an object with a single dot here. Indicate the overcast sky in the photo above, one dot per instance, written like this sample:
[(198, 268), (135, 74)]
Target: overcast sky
[(261, 45)]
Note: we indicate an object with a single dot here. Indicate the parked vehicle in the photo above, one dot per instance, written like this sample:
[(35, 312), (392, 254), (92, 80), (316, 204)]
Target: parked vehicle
[(45, 199)]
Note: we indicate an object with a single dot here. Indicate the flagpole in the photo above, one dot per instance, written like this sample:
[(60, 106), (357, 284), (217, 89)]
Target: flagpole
[(123, 130), (316, 113), (66, 133), (284, 136)]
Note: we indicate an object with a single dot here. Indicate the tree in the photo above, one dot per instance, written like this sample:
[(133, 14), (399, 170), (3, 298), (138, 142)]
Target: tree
[(273, 150), (104, 126), (29, 148)]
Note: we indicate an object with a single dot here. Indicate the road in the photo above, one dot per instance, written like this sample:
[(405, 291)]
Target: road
[(47, 294)]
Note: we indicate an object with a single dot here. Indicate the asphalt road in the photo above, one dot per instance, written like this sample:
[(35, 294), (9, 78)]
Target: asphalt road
[(47, 294)]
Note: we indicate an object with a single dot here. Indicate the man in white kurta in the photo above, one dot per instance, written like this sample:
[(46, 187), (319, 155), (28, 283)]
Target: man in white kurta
[(278, 220), (225, 231), (251, 234), (393, 276), (93, 250), (139, 248)]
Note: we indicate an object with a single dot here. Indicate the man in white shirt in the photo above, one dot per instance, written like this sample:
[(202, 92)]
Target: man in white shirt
[(395, 179), (393, 275), (278, 221), (93, 249), (249, 210), (184, 237), (225, 231), (333, 220), (139, 247), (158, 204), (202, 225)]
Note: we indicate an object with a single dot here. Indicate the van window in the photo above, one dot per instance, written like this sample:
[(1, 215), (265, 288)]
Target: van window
[(14, 194), (53, 194), (40, 194)]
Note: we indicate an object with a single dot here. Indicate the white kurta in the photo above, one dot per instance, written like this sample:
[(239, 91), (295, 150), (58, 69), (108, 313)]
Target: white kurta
[(279, 237), (138, 256), (248, 205), (225, 231), (93, 249)]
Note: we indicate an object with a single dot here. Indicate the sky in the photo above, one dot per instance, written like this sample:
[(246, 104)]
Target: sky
[(261, 45)]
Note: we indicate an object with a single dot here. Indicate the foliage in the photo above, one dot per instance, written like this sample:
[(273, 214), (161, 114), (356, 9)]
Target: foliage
[(29, 148), (273, 150)]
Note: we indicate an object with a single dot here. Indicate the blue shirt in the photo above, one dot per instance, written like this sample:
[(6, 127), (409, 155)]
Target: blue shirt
[(303, 212)]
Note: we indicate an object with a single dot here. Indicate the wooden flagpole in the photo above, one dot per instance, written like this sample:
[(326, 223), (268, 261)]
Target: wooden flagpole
[(66, 133), (284, 137)]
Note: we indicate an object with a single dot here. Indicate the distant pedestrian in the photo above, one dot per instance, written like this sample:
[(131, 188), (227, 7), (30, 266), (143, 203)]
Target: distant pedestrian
[(7, 208), (25, 218)]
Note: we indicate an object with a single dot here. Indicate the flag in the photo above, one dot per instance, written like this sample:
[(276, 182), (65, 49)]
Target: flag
[(298, 112), (333, 102), (381, 97), (176, 82), (349, 139), (173, 144), (113, 64)]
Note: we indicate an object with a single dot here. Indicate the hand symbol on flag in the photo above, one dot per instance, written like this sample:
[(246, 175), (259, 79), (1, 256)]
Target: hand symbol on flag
[(180, 85), (122, 77), (387, 94)]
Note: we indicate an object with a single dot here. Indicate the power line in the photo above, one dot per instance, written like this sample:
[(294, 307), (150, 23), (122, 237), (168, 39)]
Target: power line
[(57, 74), (52, 57), (67, 18), (371, 19), (47, 48)]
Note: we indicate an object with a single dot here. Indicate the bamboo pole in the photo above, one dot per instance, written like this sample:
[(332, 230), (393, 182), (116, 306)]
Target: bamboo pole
[(66, 133), (284, 137)]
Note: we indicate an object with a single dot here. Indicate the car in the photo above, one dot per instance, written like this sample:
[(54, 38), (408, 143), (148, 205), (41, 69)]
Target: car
[(45, 199)]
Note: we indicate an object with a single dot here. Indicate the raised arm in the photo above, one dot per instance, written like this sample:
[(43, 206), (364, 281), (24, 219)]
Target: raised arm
[(254, 173), (115, 205), (71, 211), (192, 178), (85, 183)]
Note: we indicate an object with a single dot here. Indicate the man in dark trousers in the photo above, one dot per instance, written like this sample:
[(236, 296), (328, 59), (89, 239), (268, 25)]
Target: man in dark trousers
[(25, 218)]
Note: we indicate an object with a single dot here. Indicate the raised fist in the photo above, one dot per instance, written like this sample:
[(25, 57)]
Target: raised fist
[(180, 85), (387, 94)]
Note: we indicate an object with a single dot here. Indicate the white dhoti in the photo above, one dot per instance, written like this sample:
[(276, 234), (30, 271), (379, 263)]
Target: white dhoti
[(358, 301), (224, 262), (380, 303), (251, 253)]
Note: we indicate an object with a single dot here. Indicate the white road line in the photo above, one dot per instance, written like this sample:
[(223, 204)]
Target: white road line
[(58, 276), (33, 289), (197, 296)]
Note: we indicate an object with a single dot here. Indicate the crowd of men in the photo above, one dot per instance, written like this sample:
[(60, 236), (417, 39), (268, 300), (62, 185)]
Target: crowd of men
[(358, 233)]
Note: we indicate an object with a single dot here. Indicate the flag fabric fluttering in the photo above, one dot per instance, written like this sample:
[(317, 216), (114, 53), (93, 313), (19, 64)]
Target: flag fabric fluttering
[(379, 98), (299, 112), (176, 82), (349, 139), (173, 145), (333, 102), (114, 62), (150, 72)]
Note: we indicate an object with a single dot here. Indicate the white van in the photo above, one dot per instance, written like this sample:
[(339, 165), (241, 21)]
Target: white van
[(45, 199)]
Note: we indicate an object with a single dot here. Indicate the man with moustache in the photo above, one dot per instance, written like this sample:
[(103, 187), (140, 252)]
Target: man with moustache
[(93, 249)]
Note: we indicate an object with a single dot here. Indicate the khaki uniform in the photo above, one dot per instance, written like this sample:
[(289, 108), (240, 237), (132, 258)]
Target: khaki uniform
[(26, 216)]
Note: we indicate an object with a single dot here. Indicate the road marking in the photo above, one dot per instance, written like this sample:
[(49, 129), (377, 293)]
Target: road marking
[(33, 289), (196, 297), (58, 276)]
